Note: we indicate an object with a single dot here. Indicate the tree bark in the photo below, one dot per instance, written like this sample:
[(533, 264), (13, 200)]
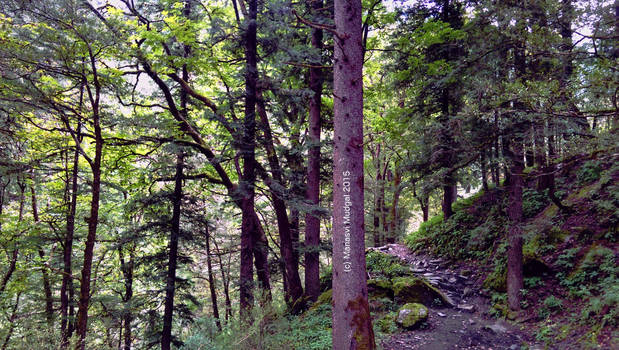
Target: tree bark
[(378, 196), (93, 220), (248, 146), (294, 289), (312, 219), (127, 270), (514, 212), (166, 334), (15, 252), (225, 281), (47, 289), (67, 254), (397, 189), (211, 278), (352, 327)]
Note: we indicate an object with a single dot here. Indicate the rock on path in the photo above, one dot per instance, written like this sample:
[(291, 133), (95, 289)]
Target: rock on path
[(465, 326)]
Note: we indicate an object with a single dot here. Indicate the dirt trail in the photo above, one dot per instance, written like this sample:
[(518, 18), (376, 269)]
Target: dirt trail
[(467, 324)]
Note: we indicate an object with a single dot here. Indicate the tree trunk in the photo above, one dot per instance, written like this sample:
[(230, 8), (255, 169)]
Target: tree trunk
[(67, 272), (47, 289), (211, 278), (352, 327), (248, 146), (448, 197), (15, 253), (397, 189), (513, 152), (166, 335), (514, 212), (378, 196), (295, 289), (93, 220), (484, 169), (224, 280), (127, 270), (312, 219)]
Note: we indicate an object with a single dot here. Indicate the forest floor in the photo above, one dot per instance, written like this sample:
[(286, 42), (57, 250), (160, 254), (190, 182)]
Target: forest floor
[(467, 324)]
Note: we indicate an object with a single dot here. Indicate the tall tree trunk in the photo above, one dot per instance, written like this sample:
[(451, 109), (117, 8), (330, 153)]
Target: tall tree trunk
[(484, 169), (67, 277), (514, 212), (295, 289), (166, 334), (224, 280), (397, 189), (352, 327), (15, 252), (514, 152), (211, 278), (127, 271), (93, 220), (378, 196), (312, 219), (248, 146), (47, 289)]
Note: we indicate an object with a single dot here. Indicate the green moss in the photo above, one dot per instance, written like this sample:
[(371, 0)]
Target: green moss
[(417, 290), (324, 298), (411, 315), (380, 288)]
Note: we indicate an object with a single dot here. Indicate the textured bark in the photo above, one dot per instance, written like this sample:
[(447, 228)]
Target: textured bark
[(224, 279), (67, 271), (47, 289), (484, 169), (397, 189), (127, 271), (15, 252), (514, 153), (211, 279), (166, 334), (378, 196), (312, 219), (248, 145), (294, 289), (352, 327), (93, 220), (514, 212)]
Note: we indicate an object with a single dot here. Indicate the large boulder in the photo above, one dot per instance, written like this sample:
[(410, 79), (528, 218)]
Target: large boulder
[(411, 315), (380, 288), (417, 290)]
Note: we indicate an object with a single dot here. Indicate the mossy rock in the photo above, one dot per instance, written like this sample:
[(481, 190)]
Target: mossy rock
[(417, 290), (411, 315), (380, 288), (324, 298)]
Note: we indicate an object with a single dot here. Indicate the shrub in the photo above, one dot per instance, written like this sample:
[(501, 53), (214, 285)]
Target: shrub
[(588, 172)]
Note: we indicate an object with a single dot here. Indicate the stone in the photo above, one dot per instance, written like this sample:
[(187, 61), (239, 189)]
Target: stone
[(467, 291), (466, 307), (417, 290), (441, 314), (496, 328), (411, 315), (452, 280), (471, 321), (380, 288)]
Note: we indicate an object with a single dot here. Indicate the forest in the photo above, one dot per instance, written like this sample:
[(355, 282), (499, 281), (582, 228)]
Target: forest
[(320, 174)]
